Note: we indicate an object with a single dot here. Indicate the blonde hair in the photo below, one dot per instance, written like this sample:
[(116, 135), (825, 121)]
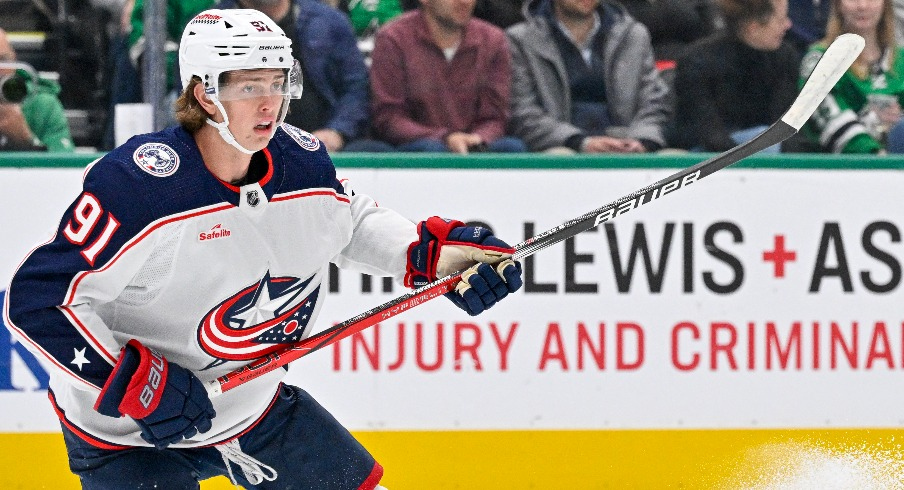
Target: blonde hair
[(189, 112), (885, 34)]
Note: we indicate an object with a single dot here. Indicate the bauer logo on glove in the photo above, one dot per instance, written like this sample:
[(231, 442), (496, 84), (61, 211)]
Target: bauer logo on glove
[(156, 372), (447, 247), (167, 401)]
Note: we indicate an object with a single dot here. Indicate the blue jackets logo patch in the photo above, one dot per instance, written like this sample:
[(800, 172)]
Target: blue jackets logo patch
[(156, 159), (304, 139)]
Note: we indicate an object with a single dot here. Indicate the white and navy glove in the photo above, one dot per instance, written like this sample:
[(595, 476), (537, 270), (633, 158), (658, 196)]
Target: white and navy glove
[(448, 246), (166, 400)]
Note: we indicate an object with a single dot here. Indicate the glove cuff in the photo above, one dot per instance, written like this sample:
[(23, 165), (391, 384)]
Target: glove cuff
[(423, 253), (135, 386), (418, 258), (437, 227)]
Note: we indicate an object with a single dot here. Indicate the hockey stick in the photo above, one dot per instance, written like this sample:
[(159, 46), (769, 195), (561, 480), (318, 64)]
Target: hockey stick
[(836, 60)]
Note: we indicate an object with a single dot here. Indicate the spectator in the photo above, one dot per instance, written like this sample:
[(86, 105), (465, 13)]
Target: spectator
[(127, 47), (125, 86), (674, 24), (863, 111), (500, 13), (178, 13), (37, 121), (368, 15), (441, 81), (899, 21), (333, 105), (808, 23), (567, 94), (732, 85)]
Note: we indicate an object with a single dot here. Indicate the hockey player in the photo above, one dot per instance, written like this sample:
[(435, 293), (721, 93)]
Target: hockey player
[(195, 250)]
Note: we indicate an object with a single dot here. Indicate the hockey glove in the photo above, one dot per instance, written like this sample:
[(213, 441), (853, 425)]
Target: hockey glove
[(166, 400), (448, 246)]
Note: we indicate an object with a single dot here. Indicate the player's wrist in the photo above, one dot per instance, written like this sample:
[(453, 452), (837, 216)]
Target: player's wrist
[(423, 253), (135, 385), (114, 390)]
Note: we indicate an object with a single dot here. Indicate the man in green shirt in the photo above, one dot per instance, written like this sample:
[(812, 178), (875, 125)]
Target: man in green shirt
[(37, 123)]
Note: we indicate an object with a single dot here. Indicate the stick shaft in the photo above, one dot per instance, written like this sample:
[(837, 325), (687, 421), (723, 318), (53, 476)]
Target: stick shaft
[(834, 63)]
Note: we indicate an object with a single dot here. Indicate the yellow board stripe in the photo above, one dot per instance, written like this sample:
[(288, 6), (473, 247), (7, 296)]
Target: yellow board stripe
[(548, 460)]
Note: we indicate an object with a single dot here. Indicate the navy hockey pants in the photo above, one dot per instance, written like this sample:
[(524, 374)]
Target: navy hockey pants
[(298, 438)]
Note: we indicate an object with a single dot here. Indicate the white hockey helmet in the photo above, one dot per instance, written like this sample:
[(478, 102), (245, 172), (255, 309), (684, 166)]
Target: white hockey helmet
[(218, 41)]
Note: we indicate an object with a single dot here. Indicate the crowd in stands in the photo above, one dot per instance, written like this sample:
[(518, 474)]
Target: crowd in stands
[(31, 119), (735, 83), (556, 76)]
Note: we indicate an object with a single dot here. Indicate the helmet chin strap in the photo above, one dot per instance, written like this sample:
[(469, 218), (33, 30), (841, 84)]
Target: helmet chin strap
[(223, 129)]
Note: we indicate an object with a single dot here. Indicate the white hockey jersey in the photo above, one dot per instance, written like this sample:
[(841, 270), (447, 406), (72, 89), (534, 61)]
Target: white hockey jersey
[(213, 276)]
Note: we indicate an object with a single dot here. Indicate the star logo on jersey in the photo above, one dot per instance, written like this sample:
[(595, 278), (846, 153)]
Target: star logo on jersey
[(259, 319), (80, 359)]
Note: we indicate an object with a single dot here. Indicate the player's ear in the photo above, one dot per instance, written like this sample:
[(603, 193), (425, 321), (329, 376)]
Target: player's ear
[(203, 100)]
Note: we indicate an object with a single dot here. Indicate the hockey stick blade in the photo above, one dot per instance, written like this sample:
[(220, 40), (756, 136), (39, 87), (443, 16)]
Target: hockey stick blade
[(836, 60)]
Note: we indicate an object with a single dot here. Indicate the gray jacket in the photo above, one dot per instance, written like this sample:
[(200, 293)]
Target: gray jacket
[(541, 101)]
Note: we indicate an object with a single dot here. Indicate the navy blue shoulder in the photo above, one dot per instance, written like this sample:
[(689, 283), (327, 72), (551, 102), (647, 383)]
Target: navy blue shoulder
[(153, 176), (303, 159)]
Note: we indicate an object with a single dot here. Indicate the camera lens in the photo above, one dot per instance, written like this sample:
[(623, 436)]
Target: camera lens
[(13, 89)]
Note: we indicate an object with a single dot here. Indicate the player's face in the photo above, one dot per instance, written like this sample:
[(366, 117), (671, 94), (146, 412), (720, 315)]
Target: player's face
[(253, 99), (861, 16)]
